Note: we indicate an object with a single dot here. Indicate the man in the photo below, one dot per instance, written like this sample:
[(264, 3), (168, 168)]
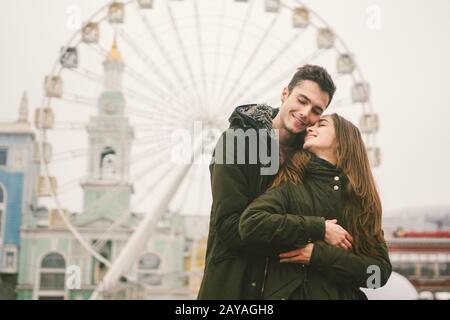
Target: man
[(234, 270)]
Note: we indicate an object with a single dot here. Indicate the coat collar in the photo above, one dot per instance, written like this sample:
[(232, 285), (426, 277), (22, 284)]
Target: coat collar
[(321, 167)]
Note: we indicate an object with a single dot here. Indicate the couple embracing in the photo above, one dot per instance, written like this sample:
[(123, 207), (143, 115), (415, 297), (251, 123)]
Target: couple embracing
[(311, 229)]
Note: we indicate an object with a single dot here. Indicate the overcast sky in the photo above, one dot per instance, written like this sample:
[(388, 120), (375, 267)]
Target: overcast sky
[(406, 61)]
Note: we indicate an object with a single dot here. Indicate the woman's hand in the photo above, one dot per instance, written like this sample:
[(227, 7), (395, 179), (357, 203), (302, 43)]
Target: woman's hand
[(300, 255), (337, 236)]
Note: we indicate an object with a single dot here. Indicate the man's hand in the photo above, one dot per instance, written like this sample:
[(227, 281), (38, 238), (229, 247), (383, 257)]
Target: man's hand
[(300, 255), (337, 236)]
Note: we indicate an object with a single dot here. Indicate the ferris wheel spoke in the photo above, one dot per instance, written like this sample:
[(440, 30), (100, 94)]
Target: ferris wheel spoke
[(136, 75), (187, 63), (148, 102), (162, 175), (144, 82), (68, 186), (236, 47), (249, 61), (268, 65), (158, 107), (186, 191), (202, 174), (79, 99), (154, 148), (156, 118), (148, 140), (159, 130), (142, 113), (66, 155), (161, 106), (159, 151), (158, 178), (63, 126), (164, 52), (278, 79), (200, 45), (86, 74), (155, 125), (102, 52), (218, 48)]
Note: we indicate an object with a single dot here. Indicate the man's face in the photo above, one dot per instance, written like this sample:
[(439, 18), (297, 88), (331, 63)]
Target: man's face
[(303, 106)]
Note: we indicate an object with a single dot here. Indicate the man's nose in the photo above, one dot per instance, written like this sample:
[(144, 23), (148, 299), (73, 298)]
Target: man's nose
[(305, 112)]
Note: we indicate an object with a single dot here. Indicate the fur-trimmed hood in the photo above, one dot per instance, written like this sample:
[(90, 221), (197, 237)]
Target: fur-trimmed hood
[(258, 116)]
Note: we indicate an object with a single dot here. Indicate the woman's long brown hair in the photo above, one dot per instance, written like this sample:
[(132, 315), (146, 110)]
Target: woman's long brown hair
[(362, 205)]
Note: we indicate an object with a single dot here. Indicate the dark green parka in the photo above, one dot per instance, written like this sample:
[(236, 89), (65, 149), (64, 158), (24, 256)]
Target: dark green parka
[(279, 218), (234, 269)]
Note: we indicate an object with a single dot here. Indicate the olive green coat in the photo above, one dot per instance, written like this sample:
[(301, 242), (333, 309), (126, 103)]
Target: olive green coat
[(234, 269), (278, 218)]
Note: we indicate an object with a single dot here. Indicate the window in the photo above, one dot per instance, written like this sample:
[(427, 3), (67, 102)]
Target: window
[(52, 281), (148, 268), (54, 261), (108, 165), (405, 268), (9, 263), (3, 157), (444, 269), (52, 275), (427, 269)]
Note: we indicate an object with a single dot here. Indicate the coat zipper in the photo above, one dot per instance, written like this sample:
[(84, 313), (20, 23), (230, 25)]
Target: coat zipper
[(264, 278)]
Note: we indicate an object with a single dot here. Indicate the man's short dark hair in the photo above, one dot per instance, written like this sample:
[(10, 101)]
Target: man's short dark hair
[(317, 74)]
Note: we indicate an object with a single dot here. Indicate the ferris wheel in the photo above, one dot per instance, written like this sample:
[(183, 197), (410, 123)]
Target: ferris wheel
[(176, 66)]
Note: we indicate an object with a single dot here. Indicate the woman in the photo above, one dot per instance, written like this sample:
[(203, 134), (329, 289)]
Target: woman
[(330, 179)]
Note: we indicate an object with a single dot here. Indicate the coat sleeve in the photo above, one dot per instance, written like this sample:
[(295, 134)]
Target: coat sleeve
[(346, 268), (231, 194), (267, 221)]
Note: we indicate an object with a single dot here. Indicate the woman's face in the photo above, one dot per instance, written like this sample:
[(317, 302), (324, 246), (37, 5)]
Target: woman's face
[(321, 137)]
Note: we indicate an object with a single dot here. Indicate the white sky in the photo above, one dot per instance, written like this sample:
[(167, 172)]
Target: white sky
[(406, 62)]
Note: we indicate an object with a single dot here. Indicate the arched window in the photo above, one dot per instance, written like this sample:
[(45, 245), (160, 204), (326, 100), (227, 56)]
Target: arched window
[(148, 269), (108, 164), (52, 276)]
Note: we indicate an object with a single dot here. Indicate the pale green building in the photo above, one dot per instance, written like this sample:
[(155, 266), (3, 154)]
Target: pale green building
[(53, 264)]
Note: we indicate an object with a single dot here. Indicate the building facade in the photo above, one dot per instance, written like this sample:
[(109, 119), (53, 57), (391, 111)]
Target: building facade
[(424, 260), (54, 264), (18, 171)]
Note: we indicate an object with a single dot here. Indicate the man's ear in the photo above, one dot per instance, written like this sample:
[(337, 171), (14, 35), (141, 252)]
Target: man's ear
[(284, 94)]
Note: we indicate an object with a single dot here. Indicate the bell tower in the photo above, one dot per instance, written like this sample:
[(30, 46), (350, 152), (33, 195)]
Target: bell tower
[(107, 188)]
